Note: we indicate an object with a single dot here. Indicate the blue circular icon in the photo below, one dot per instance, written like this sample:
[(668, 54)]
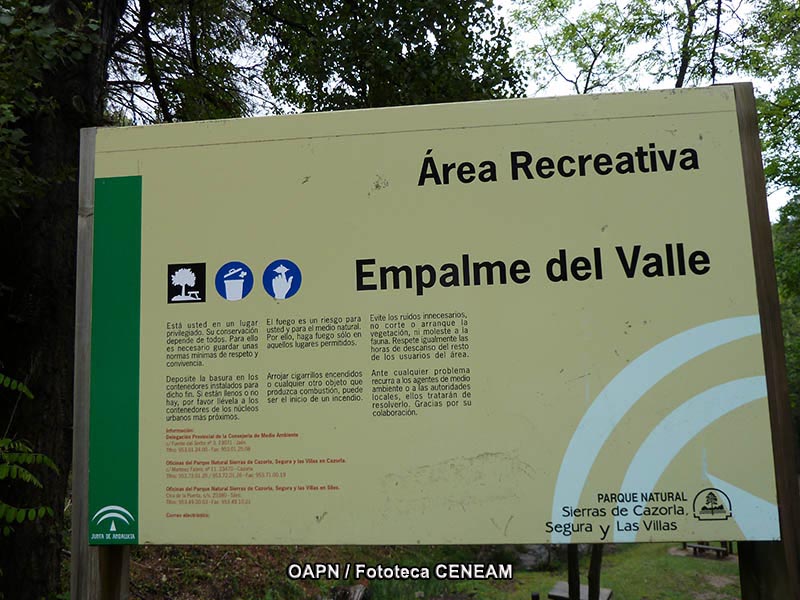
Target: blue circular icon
[(234, 281), (282, 279)]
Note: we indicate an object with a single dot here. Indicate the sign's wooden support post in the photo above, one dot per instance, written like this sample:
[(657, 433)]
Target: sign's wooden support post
[(763, 571), (573, 572), (595, 568), (84, 559), (95, 574), (114, 572), (769, 570)]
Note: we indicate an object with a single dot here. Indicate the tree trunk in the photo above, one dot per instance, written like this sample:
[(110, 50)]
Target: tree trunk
[(37, 345), (37, 299)]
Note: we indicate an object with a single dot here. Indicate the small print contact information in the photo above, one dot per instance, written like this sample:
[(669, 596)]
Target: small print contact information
[(449, 571)]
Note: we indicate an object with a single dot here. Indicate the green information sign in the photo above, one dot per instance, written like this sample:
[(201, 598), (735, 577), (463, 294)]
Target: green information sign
[(500, 322)]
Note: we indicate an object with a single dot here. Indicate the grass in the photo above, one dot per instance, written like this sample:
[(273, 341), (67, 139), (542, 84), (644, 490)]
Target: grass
[(649, 571)]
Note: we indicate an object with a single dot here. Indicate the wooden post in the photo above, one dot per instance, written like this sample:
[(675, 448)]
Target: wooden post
[(84, 564), (573, 572), (763, 572), (114, 572), (595, 567), (96, 573), (769, 570)]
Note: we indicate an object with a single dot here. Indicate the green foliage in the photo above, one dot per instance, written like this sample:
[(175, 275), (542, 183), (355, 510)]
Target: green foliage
[(16, 458), (333, 54), (585, 48), (183, 61), (207, 59), (14, 385), (30, 45), (786, 235), (611, 46), (786, 238), (790, 317), (772, 52)]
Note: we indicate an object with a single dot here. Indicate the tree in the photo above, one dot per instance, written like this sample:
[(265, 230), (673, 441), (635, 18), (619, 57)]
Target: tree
[(605, 46), (786, 239), (339, 54), (771, 51), (206, 59), (184, 61), (52, 60)]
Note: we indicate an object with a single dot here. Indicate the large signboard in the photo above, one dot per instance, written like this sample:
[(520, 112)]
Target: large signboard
[(514, 321)]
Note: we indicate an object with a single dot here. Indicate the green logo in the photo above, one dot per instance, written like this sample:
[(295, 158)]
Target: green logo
[(113, 523)]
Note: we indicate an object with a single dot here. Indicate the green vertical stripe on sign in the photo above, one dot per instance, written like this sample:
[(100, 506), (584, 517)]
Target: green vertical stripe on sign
[(114, 403)]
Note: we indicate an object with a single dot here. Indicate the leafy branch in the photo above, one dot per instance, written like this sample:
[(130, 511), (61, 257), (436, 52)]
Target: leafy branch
[(16, 458), (31, 45)]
